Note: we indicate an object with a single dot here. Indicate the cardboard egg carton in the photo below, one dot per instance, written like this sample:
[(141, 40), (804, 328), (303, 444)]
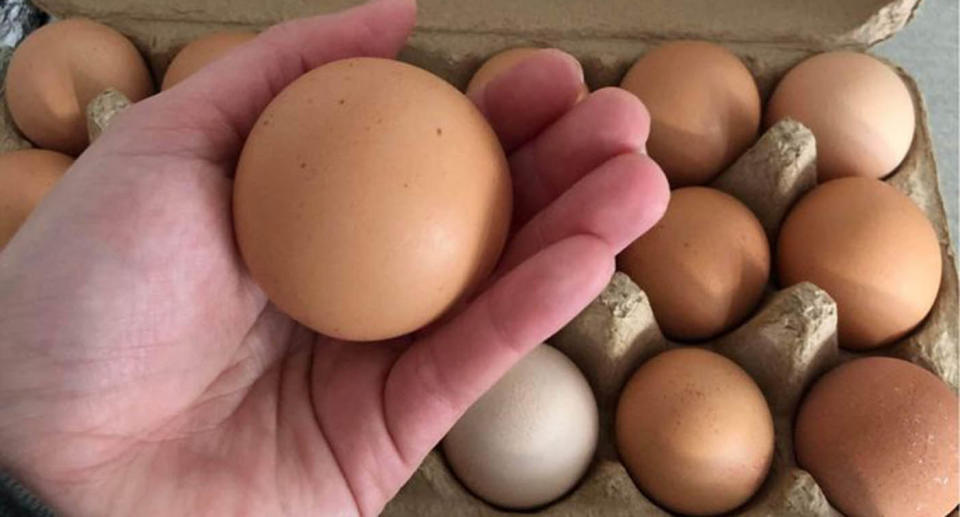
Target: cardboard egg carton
[(789, 340)]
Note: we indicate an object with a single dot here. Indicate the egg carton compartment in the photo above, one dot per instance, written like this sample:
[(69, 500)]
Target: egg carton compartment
[(788, 341)]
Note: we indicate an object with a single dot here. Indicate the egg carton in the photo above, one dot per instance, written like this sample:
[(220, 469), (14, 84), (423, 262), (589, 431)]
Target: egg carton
[(784, 346), (789, 340)]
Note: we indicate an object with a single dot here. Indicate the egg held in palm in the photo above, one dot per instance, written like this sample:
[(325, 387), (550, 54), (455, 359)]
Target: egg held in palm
[(370, 197)]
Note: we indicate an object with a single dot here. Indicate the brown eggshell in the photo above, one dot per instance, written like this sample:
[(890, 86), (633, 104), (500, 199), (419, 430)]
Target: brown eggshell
[(704, 265), (59, 69), (370, 196), (502, 62), (879, 435), (694, 431), (871, 249), (858, 109), (202, 52), (704, 108), (25, 177)]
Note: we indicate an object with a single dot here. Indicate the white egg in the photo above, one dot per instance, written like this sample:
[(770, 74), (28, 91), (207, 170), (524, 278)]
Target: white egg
[(529, 439)]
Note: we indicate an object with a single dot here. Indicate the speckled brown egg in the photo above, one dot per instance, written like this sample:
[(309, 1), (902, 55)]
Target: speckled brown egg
[(694, 431), (871, 249), (366, 211), (879, 435), (201, 52), (704, 108), (502, 62), (25, 177), (859, 110), (59, 69), (704, 265)]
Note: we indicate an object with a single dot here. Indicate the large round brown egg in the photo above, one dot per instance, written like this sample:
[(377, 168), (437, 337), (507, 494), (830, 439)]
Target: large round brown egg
[(857, 107), (704, 265), (201, 52), (879, 435), (871, 249), (59, 69), (704, 108), (370, 197), (25, 178), (694, 431)]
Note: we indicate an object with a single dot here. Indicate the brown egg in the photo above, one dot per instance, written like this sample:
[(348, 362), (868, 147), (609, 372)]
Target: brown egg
[(871, 249), (366, 212), (879, 435), (704, 108), (502, 62), (704, 265), (695, 432), (202, 52), (59, 69), (857, 107), (25, 177)]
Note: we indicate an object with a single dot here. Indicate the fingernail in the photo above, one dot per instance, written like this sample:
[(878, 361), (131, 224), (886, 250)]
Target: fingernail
[(574, 63)]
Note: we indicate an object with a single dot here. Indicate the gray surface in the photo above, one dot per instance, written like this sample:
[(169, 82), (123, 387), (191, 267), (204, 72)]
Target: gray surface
[(927, 49)]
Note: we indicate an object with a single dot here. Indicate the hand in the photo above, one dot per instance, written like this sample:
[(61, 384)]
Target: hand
[(143, 372)]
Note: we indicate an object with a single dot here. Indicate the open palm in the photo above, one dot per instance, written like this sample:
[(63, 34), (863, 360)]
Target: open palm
[(143, 372)]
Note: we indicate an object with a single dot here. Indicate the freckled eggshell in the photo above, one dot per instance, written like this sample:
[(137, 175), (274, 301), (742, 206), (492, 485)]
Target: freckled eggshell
[(201, 52), (871, 249), (58, 69), (694, 431), (25, 177), (857, 107), (879, 435), (370, 196), (704, 108), (502, 62), (531, 437), (704, 265)]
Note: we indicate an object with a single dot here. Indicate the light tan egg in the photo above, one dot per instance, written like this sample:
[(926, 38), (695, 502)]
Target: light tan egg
[(58, 69), (871, 249), (201, 52), (530, 438), (25, 178), (370, 197), (859, 110), (694, 431), (704, 108), (704, 265)]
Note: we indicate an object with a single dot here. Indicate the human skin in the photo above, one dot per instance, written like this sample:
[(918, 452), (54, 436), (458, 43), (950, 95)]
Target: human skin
[(143, 372)]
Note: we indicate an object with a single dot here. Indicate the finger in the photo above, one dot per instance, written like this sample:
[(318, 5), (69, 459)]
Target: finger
[(530, 96), (442, 374), (234, 90), (608, 123), (617, 202)]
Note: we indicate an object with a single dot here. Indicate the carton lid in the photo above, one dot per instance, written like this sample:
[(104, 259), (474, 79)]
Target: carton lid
[(810, 24)]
